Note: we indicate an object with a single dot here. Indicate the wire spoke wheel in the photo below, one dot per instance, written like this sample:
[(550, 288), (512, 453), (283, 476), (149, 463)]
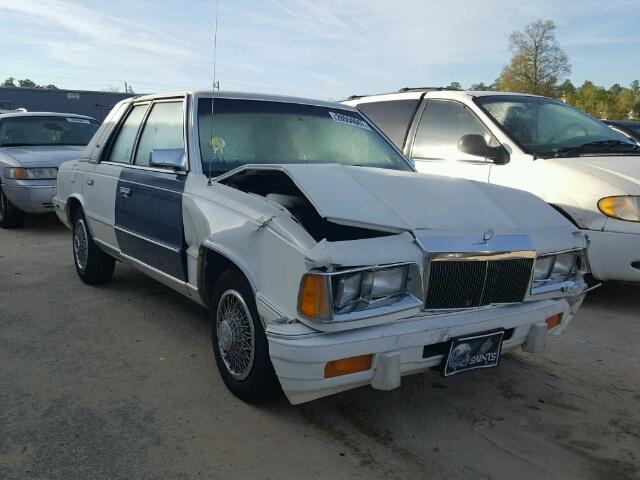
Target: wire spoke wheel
[(80, 244), (235, 333)]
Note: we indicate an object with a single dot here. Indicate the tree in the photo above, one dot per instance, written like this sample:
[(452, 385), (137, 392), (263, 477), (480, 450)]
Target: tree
[(454, 86), (481, 86), (9, 82), (26, 83), (538, 63)]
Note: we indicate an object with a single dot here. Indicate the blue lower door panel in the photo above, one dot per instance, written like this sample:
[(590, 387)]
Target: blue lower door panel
[(148, 219)]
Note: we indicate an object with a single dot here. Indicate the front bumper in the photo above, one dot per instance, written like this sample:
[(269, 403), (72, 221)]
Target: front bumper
[(31, 198), (299, 360), (611, 255)]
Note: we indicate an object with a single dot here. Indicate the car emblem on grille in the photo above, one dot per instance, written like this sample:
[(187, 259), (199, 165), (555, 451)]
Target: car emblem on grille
[(488, 235)]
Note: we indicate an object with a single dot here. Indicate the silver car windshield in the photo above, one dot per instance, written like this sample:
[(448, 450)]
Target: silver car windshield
[(549, 128), (260, 132), (42, 130)]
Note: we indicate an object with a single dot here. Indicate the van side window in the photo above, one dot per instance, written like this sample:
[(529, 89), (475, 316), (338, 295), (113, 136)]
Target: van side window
[(441, 127), (122, 147), (164, 129), (393, 117)]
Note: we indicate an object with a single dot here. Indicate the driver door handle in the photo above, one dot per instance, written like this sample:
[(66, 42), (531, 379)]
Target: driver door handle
[(125, 191), (90, 182)]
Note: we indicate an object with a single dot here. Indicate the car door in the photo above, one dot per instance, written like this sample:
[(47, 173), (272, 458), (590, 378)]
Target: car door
[(434, 145), (99, 179), (148, 205)]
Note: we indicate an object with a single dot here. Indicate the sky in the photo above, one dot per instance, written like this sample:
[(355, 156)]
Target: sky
[(327, 49)]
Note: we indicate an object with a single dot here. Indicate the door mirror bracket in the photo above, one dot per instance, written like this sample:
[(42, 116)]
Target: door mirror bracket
[(473, 144), (172, 158)]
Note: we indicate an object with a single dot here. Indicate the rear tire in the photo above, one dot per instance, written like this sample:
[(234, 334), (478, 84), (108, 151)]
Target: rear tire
[(10, 215), (239, 341), (92, 264)]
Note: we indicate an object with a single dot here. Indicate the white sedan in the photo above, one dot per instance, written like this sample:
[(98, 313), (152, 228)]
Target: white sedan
[(326, 261), (586, 170)]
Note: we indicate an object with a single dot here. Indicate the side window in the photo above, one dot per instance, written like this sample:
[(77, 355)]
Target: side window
[(441, 127), (164, 129), (122, 147), (393, 117)]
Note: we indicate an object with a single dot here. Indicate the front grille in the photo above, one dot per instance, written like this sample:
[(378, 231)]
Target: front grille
[(463, 283)]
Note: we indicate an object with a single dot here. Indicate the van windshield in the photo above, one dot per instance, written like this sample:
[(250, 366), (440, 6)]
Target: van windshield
[(37, 130), (548, 128), (263, 132)]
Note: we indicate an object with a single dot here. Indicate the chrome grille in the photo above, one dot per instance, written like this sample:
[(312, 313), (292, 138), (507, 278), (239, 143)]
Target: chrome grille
[(464, 283)]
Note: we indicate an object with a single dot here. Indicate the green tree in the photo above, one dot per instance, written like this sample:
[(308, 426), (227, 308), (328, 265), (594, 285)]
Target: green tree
[(481, 86), (26, 83), (538, 63), (454, 86), (9, 82)]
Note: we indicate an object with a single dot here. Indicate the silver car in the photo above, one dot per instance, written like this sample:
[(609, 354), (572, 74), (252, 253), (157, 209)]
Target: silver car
[(32, 146)]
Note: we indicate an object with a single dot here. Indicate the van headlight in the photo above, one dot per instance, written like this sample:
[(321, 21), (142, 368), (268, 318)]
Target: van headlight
[(327, 296), (622, 208)]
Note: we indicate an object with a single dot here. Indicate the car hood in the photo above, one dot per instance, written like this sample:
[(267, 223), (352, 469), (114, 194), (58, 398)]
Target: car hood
[(43, 156), (622, 172), (394, 200)]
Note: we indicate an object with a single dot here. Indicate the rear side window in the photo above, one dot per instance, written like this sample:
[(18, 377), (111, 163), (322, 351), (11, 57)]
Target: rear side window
[(393, 118), (164, 129), (123, 145)]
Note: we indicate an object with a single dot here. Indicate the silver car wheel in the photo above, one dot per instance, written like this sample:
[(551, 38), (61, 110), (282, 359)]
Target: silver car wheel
[(235, 334), (80, 244)]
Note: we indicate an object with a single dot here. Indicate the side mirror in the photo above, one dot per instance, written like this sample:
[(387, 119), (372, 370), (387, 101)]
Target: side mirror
[(477, 145), (168, 158)]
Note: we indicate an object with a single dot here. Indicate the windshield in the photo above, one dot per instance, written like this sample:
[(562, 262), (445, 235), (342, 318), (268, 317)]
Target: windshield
[(546, 127), (39, 130), (262, 132)]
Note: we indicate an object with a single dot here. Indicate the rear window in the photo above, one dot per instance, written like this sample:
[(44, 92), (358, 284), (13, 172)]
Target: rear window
[(41, 130), (393, 118)]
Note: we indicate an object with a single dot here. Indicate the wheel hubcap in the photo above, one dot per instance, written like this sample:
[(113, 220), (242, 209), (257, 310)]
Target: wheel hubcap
[(80, 245), (236, 336)]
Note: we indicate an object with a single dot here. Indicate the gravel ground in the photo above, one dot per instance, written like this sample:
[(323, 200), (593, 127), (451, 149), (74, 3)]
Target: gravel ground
[(118, 381)]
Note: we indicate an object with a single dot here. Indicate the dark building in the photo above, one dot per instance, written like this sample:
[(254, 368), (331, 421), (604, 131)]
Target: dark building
[(93, 104)]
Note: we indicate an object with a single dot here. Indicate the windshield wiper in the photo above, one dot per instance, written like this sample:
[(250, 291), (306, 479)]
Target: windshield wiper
[(604, 145)]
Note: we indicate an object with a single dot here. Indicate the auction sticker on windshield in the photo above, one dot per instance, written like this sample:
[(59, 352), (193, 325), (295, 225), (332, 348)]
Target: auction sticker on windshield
[(469, 353), (349, 120)]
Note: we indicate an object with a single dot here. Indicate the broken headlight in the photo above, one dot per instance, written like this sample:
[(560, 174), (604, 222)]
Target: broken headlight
[(559, 267)]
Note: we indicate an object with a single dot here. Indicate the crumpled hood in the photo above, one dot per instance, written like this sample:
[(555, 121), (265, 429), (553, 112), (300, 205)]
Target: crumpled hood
[(618, 171), (43, 156), (406, 201)]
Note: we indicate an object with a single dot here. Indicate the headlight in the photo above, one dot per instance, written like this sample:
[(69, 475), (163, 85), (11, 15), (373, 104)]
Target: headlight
[(45, 173), (323, 296), (559, 267), (622, 208), (543, 267)]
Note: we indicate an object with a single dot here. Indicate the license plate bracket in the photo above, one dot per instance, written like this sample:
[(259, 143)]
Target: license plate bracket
[(472, 352)]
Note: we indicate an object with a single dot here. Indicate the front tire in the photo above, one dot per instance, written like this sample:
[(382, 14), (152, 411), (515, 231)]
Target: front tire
[(92, 264), (10, 215), (238, 339)]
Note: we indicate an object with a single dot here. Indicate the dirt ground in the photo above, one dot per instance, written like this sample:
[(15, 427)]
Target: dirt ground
[(118, 381)]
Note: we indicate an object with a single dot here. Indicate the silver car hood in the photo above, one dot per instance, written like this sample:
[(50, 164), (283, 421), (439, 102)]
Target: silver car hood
[(622, 172), (43, 156)]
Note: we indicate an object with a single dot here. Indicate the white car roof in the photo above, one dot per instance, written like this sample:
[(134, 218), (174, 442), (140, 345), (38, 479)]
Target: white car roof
[(43, 114), (417, 94), (245, 96)]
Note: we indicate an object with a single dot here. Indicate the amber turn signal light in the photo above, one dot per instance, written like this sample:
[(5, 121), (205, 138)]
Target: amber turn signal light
[(554, 321), (345, 366), (314, 297)]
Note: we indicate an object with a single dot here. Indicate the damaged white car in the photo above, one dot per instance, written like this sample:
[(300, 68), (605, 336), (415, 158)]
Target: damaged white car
[(326, 261)]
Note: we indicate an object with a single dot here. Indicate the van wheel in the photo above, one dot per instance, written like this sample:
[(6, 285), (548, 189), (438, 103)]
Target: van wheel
[(10, 215), (92, 264), (238, 339)]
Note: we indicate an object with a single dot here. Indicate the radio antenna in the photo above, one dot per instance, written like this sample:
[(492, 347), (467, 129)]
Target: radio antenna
[(213, 92)]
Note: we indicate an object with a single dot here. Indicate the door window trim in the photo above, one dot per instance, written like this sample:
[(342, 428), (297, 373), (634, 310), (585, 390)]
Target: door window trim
[(413, 130), (149, 103)]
